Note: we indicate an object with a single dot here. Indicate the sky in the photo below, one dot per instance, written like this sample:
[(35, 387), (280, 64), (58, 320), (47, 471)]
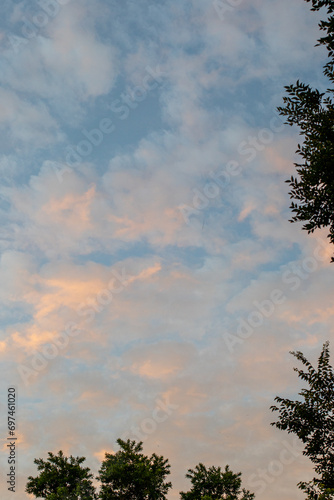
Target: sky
[(151, 283)]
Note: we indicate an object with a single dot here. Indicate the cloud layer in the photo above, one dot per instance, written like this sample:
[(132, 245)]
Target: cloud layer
[(152, 286)]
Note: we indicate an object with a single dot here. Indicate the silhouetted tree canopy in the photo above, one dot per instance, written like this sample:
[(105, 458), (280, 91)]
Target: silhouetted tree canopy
[(61, 478), (312, 191), (312, 420), (215, 484), (130, 475)]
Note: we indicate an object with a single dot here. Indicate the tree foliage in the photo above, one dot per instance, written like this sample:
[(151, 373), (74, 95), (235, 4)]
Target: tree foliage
[(61, 478), (312, 420), (130, 475), (215, 484), (313, 112)]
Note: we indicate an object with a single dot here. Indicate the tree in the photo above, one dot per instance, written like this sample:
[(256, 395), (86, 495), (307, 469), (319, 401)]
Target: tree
[(61, 478), (215, 484), (313, 113), (312, 420), (130, 475)]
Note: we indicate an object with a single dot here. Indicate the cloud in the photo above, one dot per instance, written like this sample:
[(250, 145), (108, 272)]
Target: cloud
[(160, 361), (64, 65), (26, 122), (107, 247)]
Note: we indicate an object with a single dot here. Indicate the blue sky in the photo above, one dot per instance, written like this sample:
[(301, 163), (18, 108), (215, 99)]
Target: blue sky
[(147, 263)]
